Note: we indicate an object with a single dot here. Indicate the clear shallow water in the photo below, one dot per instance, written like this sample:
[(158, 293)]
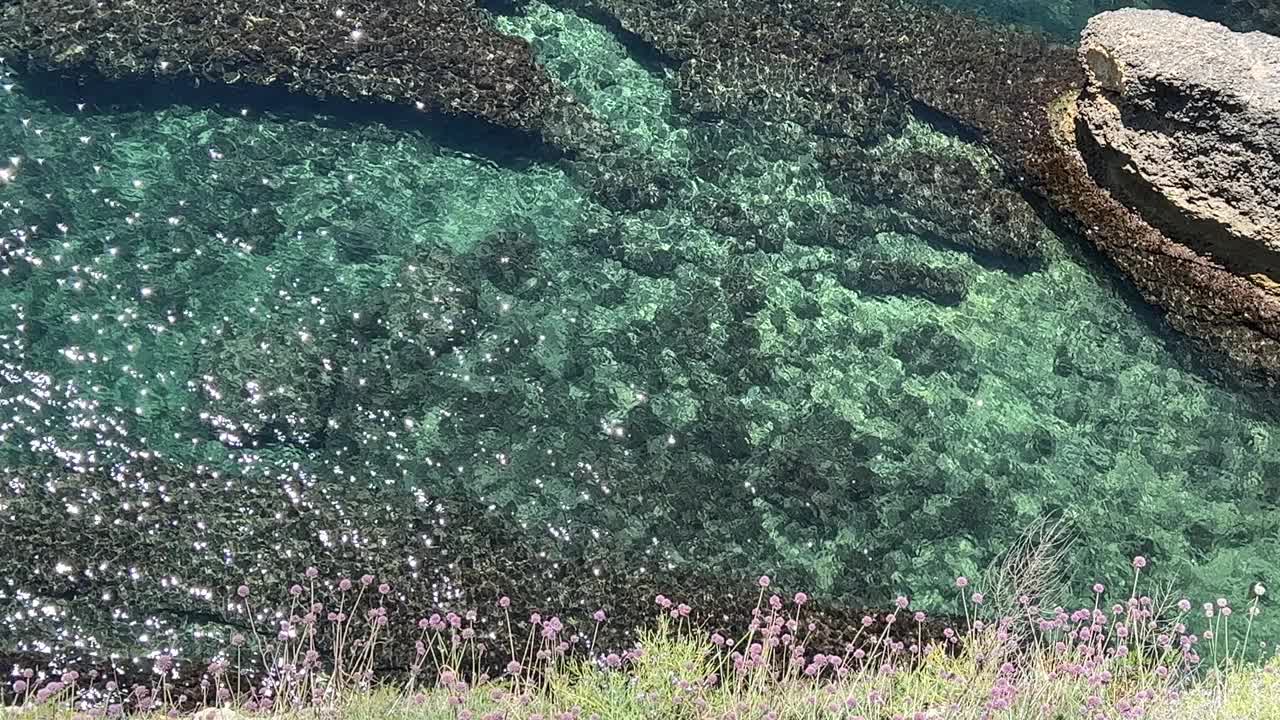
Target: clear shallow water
[(358, 314)]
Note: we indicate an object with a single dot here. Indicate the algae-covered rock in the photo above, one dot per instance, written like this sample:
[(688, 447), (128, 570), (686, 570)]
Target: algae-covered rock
[(444, 56)]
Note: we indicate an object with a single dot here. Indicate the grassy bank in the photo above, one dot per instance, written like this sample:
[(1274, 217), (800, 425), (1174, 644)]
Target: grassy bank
[(676, 676), (1124, 655)]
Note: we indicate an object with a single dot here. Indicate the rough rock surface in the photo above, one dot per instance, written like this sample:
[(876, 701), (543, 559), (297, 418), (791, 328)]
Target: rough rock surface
[(1181, 119)]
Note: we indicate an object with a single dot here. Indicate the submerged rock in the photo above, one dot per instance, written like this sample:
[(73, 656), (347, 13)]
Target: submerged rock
[(879, 277), (1181, 119), (444, 56), (1245, 15), (1013, 89)]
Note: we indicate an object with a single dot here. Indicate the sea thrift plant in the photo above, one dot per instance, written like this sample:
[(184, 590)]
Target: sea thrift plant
[(1143, 655)]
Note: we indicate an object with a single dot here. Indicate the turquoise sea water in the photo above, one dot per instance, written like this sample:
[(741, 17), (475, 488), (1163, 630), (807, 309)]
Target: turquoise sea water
[(352, 311)]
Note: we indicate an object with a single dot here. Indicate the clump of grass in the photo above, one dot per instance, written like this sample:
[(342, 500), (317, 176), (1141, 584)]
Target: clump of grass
[(1017, 657)]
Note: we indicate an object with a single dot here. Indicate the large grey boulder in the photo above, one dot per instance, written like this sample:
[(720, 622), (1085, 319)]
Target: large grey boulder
[(1181, 120)]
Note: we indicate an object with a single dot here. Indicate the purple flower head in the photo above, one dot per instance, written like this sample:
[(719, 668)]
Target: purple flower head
[(366, 580), (763, 581), (19, 686), (237, 640), (384, 588), (598, 616), (1184, 605), (978, 598), (962, 582), (1098, 588), (504, 602), (296, 590), (312, 573), (344, 584), (1139, 562), (801, 598), (902, 602), (243, 591)]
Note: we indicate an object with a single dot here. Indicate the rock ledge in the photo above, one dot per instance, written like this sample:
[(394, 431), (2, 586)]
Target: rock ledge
[(1181, 120)]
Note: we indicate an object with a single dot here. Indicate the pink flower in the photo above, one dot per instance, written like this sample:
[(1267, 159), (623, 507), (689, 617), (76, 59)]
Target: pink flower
[(962, 582), (978, 598), (366, 580), (801, 598), (384, 588), (312, 573), (344, 584), (1184, 605), (1098, 588), (598, 616), (902, 601), (763, 581), (243, 591), (296, 590), (919, 616), (504, 602), (1139, 562)]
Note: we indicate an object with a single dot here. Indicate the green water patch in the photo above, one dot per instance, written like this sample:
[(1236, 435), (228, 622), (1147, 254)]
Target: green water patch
[(703, 350)]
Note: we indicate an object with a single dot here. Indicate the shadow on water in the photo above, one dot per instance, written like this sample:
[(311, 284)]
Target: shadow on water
[(507, 147), (1186, 354)]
